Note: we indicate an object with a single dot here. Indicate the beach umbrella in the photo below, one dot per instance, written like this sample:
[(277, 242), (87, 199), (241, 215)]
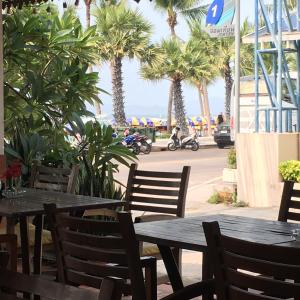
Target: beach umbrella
[(133, 121), (191, 122), (143, 121), (199, 120), (196, 121), (156, 122), (150, 122)]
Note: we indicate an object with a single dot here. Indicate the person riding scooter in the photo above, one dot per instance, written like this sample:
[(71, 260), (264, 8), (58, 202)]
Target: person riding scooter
[(185, 142), (174, 135)]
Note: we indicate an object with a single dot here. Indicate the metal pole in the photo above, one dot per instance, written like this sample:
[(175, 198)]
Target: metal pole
[(279, 78), (237, 65), (298, 69), (256, 68), (1, 89)]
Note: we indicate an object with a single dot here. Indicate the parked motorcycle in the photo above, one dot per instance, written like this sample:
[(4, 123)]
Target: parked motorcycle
[(146, 143), (131, 143), (189, 142)]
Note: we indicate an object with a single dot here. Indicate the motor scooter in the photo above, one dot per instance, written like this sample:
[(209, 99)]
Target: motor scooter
[(189, 142), (146, 143)]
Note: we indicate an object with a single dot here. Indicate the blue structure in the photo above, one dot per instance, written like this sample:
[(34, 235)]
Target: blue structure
[(280, 36)]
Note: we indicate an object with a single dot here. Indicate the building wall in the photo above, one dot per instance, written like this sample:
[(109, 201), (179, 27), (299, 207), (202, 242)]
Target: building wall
[(258, 158)]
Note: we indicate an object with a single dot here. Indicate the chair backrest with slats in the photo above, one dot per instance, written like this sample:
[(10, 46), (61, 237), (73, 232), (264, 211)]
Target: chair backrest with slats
[(158, 192), (12, 282), (251, 271), (290, 203), (88, 250), (54, 179)]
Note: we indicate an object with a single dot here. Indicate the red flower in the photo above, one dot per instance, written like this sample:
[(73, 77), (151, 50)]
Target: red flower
[(12, 171), (16, 169)]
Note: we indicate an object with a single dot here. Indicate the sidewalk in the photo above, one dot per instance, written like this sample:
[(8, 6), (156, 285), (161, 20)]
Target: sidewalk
[(204, 142)]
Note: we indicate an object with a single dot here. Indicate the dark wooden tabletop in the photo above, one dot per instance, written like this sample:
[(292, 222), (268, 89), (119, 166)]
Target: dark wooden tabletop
[(187, 233), (30, 203)]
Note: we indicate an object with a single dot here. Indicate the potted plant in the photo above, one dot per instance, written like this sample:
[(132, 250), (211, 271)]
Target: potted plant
[(230, 173), (290, 170)]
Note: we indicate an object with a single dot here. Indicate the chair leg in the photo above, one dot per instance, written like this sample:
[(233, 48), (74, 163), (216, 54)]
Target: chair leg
[(151, 281), (207, 273)]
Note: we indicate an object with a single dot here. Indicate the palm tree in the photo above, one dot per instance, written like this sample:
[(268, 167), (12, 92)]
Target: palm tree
[(191, 9), (123, 32), (88, 4), (206, 48), (180, 62)]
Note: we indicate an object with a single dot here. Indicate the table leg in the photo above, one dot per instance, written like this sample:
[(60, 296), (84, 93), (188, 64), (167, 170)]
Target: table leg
[(171, 267), (37, 258), (25, 244), (10, 225), (207, 273), (10, 229)]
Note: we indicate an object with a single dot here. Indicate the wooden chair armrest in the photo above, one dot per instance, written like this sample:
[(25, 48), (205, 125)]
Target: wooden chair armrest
[(193, 290), (154, 217)]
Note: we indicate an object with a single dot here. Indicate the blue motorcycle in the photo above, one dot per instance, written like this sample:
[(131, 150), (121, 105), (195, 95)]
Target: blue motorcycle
[(131, 143)]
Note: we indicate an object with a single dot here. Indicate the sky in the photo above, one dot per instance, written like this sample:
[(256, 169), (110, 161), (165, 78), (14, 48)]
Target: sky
[(144, 98)]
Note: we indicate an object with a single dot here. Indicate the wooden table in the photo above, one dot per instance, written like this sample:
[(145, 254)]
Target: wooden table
[(187, 233), (30, 204)]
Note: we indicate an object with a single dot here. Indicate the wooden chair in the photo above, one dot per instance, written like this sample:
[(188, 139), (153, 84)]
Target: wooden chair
[(162, 193), (252, 271), (10, 253), (189, 292), (12, 284), (88, 250), (289, 206), (54, 179)]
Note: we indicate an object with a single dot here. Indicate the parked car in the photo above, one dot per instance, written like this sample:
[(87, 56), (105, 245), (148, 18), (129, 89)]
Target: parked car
[(222, 136)]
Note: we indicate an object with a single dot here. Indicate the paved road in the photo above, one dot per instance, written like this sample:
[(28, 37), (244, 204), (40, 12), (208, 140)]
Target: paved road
[(207, 166)]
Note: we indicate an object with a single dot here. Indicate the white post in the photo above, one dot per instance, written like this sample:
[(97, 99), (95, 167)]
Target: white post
[(1, 87), (237, 66)]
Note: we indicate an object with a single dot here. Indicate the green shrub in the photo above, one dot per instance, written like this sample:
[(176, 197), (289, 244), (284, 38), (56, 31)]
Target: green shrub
[(215, 199), (290, 170), (231, 159)]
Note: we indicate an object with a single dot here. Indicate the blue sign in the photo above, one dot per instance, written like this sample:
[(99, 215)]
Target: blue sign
[(215, 12)]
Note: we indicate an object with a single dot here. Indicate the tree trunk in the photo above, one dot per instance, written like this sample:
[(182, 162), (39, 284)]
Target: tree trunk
[(172, 21), (117, 91), (199, 88), (88, 24), (179, 107), (206, 106), (88, 12), (228, 87), (170, 105)]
